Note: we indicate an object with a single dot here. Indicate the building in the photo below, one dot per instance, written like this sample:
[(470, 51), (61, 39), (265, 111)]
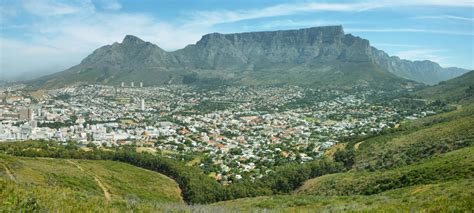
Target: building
[(142, 105), (132, 84), (141, 84), (26, 114), (123, 84)]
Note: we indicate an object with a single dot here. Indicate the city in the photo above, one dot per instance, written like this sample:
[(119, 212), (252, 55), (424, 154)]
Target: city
[(231, 133)]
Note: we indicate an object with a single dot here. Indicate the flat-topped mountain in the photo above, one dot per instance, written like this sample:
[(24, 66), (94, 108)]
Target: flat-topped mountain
[(319, 56)]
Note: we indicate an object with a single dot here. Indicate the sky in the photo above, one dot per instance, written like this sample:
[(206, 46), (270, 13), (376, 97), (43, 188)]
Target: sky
[(45, 36)]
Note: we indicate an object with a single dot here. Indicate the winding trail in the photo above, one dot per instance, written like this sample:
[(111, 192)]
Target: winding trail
[(9, 173), (107, 195), (356, 146)]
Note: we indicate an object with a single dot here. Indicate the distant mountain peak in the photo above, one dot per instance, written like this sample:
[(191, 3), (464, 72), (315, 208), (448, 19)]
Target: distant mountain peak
[(131, 39)]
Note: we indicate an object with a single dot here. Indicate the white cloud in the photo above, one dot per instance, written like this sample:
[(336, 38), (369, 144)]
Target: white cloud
[(394, 45), (56, 43), (209, 18), (447, 17), (56, 8), (110, 4), (409, 30), (445, 3), (299, 23), (424, 54), (17, 58)]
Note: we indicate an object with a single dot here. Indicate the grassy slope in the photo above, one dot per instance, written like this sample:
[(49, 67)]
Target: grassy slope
[(57, 183), (454, 165), (452, 90), (441, 183), (419, 139), (446, 196)]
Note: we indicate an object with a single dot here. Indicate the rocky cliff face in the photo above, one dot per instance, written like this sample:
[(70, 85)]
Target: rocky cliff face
[(305, 56), (427, 72), (297, 47)]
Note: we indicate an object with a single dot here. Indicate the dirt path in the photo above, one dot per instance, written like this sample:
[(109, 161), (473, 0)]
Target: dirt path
[(97, 179), (9, 173), (356, 146)]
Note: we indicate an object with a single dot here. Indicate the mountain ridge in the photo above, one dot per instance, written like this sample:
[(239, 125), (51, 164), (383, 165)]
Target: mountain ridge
[(301, 57)]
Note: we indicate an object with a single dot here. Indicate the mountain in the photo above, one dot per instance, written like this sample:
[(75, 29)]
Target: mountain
[(427, 72), (459, 89), (319, 56)]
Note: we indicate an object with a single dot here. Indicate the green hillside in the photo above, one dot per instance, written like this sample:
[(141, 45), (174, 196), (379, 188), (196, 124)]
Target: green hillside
[(52, 184), (457, 89), (445, 196), (455, 165), (439, 183), (416, 140)]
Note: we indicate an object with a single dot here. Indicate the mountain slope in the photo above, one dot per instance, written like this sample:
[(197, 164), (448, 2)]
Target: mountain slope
[(301, 57), (427, 72), (439, 197), (459, 89), (68, 181), (455, 165)]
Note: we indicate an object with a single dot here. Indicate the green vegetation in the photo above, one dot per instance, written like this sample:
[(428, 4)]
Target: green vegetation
[(22, 197), (441, 197), (122, 181), (460, 89), (454, 165), (196, 187), (417, 140)]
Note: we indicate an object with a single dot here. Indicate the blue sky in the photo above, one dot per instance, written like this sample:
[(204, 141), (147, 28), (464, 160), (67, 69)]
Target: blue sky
[(44, 36)]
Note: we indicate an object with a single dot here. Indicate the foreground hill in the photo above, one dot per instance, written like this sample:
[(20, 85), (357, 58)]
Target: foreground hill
[(81, 185), (455, 165), (439, 197), (319, 56)]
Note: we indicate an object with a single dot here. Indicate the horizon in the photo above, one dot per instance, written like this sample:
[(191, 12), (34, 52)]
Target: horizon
[(48, 36)]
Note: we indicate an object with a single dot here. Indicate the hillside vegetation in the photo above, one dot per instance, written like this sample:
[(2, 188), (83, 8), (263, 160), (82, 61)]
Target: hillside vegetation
[(48, 184), (455, 165), (457, 89), (440, 197), (416, 140)]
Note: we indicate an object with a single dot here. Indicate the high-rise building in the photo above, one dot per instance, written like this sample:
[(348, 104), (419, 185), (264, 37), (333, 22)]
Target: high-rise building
[(142, 105), (141, 84), (26, 114), (131, 84), (123, 84)]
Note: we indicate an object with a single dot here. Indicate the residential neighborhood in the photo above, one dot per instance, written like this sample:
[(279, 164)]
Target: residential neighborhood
[(231, 132)]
